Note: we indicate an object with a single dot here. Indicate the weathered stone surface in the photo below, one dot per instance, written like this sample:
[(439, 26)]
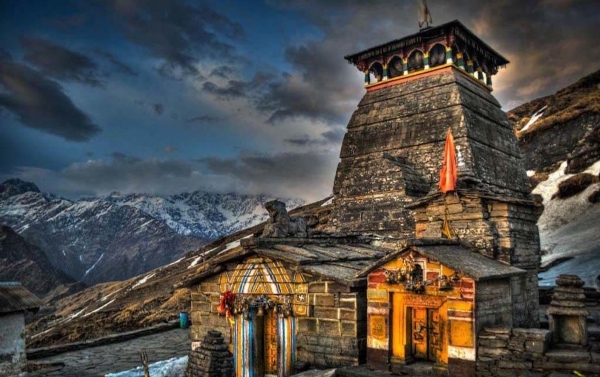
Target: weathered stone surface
[(392, 151)]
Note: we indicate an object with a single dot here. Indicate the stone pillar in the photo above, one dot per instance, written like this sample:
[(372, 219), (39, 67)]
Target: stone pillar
[(426, 60), (405, 66), (211, 359), (367, 77), (385, 72), (567, 312)]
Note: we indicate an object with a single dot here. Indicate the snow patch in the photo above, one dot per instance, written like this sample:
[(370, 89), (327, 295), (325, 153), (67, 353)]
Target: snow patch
[(143, 280), (100, 308), (94, 265), (538, 114), (174, 367), (327, 202), (559, 214), (195, 261), (110, 294), (530, 173)]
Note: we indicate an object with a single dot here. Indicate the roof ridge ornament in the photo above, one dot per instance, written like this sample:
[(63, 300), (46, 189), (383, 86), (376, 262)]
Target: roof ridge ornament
[(424, 14)]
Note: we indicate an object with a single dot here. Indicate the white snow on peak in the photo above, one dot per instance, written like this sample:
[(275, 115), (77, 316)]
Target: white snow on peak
[(143, 280), (538, 114), (530, 173)]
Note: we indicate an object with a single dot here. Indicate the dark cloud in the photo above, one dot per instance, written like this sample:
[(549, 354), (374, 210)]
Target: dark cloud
[(59, 62), (304, 175), (169, 149), (158, 108), (253, 89), (124, 173), (40, 103), (549, 44), (223, 72), (116, 62), (177, 33), (70, 21), (204, 119), (331, 137)]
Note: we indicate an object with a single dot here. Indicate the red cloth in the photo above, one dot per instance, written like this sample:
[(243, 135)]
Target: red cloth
[(448, 173)]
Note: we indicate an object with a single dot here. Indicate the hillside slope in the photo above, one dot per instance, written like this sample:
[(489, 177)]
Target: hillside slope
[(559, 136), (141, 301), (26, 263)]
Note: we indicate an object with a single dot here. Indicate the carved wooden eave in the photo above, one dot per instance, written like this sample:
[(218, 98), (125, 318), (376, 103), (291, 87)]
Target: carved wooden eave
[(447, 33), (454, 255)]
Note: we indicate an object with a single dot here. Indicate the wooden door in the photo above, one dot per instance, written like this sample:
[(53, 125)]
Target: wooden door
[(434, 339), (419, 333), (270, 342)]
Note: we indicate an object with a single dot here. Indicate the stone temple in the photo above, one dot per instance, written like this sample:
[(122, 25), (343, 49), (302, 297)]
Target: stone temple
[(399, 271)]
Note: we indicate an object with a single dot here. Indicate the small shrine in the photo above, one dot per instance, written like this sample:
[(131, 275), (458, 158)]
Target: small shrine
[(428, 300)]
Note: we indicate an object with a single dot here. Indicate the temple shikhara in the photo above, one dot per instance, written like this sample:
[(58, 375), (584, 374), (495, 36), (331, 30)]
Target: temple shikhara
[(429, 252)]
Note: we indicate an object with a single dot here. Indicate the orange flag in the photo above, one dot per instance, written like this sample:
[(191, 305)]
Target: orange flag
[(448, 172)]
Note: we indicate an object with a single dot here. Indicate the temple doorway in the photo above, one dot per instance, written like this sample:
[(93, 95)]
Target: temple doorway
[(425, 334)]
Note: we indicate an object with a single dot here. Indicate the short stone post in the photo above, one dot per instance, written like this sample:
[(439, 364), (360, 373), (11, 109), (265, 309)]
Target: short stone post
[(567, 312), (211, 359)]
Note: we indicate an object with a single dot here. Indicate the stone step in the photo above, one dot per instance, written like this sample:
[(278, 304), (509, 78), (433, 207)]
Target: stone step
[(568, 356)]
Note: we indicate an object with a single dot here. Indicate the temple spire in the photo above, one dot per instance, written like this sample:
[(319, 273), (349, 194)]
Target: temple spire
[(424, 14)]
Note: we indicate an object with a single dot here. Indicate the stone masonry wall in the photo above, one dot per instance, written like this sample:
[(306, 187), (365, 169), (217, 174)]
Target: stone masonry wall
[(493, 304), (409, 120), (504, 352), (204, 316), (334, 333), (13, 360)]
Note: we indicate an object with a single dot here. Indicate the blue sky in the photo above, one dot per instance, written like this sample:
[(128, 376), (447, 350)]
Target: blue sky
[(245, 96)]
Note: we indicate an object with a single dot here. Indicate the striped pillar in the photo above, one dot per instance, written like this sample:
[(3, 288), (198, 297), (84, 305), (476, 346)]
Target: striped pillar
[(286, 336), (426, 60), (461, 61), (243, 355), (470, 66), (449, 59)]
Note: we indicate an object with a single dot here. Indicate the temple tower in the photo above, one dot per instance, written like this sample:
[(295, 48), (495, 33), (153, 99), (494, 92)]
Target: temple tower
[(386, 183)]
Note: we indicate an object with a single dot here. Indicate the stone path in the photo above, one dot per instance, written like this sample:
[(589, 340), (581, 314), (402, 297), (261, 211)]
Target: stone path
[(98, 361)]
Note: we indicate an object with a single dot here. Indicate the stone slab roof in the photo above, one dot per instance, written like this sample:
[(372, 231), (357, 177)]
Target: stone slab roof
[(16, 298), (456, 256), (338, 259)]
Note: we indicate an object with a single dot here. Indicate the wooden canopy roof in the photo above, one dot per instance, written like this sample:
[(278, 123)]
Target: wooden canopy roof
[(454, 28)]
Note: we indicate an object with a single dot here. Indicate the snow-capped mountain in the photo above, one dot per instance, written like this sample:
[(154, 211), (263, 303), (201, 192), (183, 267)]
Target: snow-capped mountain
[(115, 237), (202, 214)]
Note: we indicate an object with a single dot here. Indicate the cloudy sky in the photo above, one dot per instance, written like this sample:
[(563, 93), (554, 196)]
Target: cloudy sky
[(164, 96)]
